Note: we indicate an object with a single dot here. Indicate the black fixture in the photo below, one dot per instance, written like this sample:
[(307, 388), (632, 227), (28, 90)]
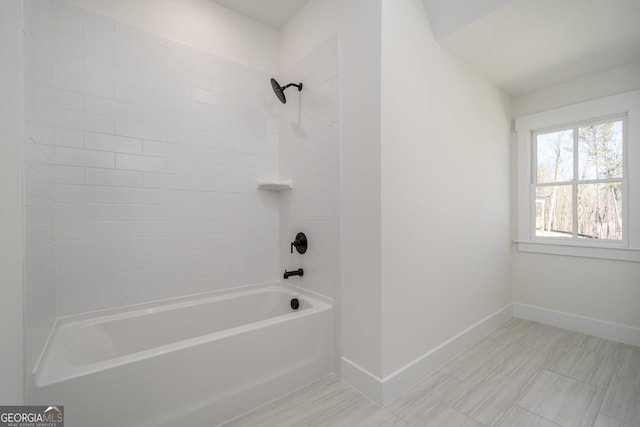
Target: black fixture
[(298, 272), (300, 243), (295, 304), (279, 90)]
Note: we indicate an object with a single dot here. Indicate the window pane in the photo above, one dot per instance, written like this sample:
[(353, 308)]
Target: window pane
[(600, 151), (554, 217), (600, 211), (554, 156)]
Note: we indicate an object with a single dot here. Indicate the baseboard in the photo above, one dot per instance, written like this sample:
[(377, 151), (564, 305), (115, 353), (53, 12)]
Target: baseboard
[(386, 389), (362, 380), (587, 325)]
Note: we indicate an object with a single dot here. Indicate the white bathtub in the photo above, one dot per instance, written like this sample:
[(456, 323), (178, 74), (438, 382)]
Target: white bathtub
[(188, 362)]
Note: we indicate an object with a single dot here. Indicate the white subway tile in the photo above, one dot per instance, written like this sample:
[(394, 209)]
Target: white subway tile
[(69, 137), (209, 97), (188, 107), (106, 142), (83, 84), (79, 157), (153, 129), (189, 77), (164, 86), (131, 93), (163, 149), (69, 175), (68, 43), (115, 109), (67, 100), (177, 185), (71, 249), (127, 54), (95, 212), (66, 212), (113, 178), (163, 54), (166, 181), (67, 63), (140, 163), (84, 121), (183, 135)]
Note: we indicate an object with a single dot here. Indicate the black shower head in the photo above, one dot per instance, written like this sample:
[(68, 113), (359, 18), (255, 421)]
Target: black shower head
[(279, 90)]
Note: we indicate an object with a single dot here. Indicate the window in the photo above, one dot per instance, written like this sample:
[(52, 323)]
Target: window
[(578, 180), (574, 182)]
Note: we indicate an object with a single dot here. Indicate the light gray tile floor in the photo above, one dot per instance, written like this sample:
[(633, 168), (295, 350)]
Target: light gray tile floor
[(524, 374)]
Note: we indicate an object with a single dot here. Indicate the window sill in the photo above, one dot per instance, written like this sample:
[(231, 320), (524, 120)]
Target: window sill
[(618, 254)]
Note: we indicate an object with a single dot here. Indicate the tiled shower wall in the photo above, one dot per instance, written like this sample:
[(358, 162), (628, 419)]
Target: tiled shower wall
[(39, 175), (310, 156), (157, 150)]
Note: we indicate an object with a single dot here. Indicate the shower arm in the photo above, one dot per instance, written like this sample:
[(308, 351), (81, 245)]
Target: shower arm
[(299, 86)]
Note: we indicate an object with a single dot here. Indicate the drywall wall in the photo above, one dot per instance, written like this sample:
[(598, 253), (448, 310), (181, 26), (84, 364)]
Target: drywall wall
[(358, 25), (11, 244), (202, 24), (597, 289), (611, 82), (445, 191)]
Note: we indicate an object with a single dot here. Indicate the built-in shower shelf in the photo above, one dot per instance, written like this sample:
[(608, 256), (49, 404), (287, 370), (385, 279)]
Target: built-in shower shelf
[(275, 185)]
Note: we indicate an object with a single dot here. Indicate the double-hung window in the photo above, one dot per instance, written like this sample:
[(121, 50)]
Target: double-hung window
[(578, 179)]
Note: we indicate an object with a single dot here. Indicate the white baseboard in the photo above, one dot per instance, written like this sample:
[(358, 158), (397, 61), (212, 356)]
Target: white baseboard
[(586, 325), (362, 380), (386, 389)]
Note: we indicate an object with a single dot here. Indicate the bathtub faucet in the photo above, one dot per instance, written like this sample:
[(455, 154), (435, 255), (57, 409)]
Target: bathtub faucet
[(298, 272)]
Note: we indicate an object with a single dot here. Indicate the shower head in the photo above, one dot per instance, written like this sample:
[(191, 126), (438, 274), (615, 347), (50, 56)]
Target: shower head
[(279, 90)]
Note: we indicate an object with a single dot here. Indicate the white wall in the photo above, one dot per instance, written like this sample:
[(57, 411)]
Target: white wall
[(202, 24), (445, 190), (158, 147), (611, 82), (11, 243), (358, 25), (603, 290)]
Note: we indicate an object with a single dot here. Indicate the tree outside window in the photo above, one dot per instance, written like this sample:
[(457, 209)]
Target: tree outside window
[(578, 181)]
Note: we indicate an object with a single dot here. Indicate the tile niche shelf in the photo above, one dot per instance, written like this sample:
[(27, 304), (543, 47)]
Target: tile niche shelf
[(275, 184)]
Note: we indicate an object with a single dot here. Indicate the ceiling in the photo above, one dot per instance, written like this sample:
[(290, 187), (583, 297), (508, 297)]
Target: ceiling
[(273, 13), (520, 45), (524, 45)]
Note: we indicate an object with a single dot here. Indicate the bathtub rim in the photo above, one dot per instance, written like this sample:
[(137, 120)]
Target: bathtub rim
[(319, 303)]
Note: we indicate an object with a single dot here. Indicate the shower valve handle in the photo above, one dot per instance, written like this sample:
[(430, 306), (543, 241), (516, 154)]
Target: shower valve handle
[(300, 243)]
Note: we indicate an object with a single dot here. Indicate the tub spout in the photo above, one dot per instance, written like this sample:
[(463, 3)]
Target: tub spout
[(298, 272)]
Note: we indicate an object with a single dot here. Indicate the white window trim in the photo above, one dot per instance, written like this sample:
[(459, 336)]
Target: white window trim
[(618, 105)]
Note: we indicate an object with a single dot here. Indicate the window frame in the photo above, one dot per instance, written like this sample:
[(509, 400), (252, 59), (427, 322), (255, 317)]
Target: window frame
[(624, 106), (573, 182)]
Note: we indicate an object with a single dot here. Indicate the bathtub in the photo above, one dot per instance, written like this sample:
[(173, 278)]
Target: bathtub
[(197, 361)]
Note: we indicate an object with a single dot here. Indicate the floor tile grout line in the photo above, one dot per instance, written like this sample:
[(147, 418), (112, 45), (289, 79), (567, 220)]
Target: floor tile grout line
[(538, 415), (607, 390)]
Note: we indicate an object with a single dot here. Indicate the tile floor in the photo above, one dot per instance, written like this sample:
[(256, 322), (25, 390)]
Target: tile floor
[(524, 374)]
